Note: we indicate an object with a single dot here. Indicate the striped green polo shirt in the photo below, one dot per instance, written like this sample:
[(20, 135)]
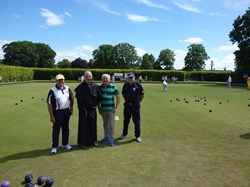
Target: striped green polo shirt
[(107, 96)]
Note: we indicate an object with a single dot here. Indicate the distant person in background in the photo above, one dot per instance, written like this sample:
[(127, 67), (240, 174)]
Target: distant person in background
[(133, 94), (88, 97), (108, 108), (82, 78), (164, 85), (113, 79), (60, 103), (229, 82)]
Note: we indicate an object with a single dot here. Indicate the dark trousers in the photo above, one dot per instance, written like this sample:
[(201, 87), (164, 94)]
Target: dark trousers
[(62, 121), (87, 127), (134, 111)]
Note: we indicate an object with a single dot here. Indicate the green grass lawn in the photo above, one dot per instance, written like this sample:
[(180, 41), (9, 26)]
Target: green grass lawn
[(183, 144)]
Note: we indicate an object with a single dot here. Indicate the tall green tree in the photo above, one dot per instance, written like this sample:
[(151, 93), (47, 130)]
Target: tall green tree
[(241, 35), (166, 59), (65, 63), (125, 56), (28, 54), (147, 62), (21, 53), (103, 57), (46, 55), (79, 63), (195, 58)]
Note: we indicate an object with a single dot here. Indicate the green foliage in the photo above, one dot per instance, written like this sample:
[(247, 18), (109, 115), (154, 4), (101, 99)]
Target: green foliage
[(20, 54), (103, 57), (28, 54), (79, 63), (220, 76), (166, 59), (125, 55), (146, 63), (64, 64), (241, 35), (154, 75), (15, 74), (195, 58), (46, 56)]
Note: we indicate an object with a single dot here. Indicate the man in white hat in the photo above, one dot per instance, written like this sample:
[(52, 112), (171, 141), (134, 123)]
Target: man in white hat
[(60, 103)]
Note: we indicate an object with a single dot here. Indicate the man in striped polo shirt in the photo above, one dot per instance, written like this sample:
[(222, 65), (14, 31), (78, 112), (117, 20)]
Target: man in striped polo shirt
[(108, 107)]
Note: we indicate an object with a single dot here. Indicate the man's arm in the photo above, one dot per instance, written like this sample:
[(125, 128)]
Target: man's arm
[(52, 118), (117, 101)]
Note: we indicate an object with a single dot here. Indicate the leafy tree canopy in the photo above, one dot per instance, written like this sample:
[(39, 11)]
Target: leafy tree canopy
[(147, 62), (65, 63), (195, 58), (28, 54), (241, 35), (166, 59), (103, 57), (125, 55), (79, 63)]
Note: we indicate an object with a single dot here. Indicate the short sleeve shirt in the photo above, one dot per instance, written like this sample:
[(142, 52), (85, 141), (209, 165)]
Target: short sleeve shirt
[(59, 98), (132, 93)]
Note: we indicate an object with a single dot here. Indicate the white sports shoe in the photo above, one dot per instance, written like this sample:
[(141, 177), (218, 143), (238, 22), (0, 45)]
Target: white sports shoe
[(138, 139), (53, 150), (122, 137), (67, 147)]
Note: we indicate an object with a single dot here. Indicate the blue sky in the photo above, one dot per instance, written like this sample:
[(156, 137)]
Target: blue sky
[(74, 28)]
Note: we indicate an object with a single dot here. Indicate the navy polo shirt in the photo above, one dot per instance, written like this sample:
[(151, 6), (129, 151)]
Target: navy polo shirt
[(132, 93)]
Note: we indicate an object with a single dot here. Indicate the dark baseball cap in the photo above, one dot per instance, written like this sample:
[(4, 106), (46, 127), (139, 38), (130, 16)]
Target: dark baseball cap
[(131, 75)]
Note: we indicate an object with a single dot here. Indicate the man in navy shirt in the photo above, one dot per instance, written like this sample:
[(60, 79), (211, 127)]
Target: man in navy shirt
[(60, 103), (133, 94)]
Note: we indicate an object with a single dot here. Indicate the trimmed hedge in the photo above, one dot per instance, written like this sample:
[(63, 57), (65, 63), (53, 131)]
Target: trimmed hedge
[(220, 76), (154, 75), (74, 74), (15, 74)]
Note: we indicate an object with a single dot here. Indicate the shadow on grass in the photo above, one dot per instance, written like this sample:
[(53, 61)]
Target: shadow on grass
[(245, 136), (37, 153), (46, 152), (27, 154), (118, 142)]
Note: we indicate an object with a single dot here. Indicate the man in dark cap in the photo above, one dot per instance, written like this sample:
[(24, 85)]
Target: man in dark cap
[(133, 94)]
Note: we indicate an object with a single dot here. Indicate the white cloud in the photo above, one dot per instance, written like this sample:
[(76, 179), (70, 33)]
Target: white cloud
[(51, 18), (216, 14), (106, 8), (83, 52), (67, 14), (140, 52), (219, 64), (192, 40), (186, 6), (3, 42), (179, 58), (227, 48), (152, 4), (85, 48), (237, 4), (138, 18)]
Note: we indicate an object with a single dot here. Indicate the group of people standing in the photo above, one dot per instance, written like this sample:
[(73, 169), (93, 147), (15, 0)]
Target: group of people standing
[(90, 97)]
